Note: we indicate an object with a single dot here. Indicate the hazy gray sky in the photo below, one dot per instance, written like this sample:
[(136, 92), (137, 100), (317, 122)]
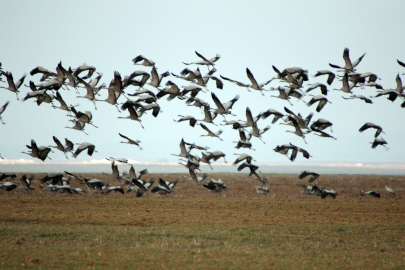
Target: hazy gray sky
[(253, 34)]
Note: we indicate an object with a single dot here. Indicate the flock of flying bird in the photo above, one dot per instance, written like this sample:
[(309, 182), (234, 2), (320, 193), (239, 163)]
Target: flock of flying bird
[(50, 88)]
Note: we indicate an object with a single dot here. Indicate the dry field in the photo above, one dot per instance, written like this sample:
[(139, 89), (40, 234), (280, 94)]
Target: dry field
[(193, 228)]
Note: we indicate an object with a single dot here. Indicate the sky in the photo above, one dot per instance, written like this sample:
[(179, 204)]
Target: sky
[(247, 34)]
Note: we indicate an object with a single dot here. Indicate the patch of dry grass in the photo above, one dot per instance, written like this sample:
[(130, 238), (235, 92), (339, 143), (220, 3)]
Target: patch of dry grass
[(200, 230)]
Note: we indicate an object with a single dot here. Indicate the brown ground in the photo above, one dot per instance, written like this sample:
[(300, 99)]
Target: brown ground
[(194, 228)]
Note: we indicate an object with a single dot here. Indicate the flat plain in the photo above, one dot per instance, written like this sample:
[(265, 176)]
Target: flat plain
[(194, 228)]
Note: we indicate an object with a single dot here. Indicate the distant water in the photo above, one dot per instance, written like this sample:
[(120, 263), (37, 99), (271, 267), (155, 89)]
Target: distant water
[(278, 169)]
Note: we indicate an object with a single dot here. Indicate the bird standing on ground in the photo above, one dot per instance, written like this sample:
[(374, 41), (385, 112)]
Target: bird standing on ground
[(262, 190), (390, 190), (370, 193)]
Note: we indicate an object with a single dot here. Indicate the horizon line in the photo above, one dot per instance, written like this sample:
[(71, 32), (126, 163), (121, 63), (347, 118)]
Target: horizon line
[(134, 162)]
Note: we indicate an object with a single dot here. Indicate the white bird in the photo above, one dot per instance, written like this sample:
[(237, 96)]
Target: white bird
[(83, 146), (130, 141), (262, 190), (2, 109), (390, 190)]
